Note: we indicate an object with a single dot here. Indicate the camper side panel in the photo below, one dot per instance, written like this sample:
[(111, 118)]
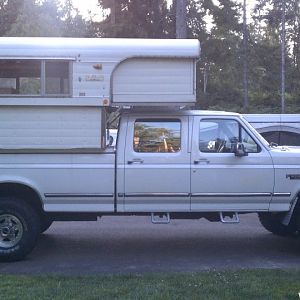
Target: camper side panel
[(51, 127), (155, 81)]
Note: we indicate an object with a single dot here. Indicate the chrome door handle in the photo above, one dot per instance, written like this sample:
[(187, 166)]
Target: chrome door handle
[(135, 161), (201, 160)]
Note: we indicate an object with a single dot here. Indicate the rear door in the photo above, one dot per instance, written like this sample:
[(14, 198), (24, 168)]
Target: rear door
[(157, 165)]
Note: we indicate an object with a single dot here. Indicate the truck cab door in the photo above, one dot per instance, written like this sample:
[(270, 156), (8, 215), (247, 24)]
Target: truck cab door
[(156, 165), (224, 178)]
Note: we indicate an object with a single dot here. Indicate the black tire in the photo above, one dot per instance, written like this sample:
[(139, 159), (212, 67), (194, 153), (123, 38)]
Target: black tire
[(19, 229), (46, 222), (272, 222)]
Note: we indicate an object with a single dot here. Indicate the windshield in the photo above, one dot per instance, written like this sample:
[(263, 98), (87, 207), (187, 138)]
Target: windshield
[(261, 138)]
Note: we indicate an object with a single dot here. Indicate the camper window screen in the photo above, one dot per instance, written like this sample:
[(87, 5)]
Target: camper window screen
[(57, 77), (20, 77), (34, 77)]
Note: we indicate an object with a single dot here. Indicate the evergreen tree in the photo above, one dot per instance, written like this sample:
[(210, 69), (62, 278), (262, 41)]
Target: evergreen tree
[(134, 19), (9, 11)]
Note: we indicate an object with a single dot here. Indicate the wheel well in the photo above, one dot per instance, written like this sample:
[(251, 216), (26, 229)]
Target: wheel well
[(24, 192)]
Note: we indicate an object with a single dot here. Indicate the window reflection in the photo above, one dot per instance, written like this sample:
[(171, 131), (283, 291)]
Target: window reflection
[(161, 136), (221, 136)]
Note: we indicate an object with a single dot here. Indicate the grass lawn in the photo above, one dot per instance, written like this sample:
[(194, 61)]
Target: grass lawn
[(245, 284)]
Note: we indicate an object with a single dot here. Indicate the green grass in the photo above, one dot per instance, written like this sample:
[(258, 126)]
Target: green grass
[(245, 284)]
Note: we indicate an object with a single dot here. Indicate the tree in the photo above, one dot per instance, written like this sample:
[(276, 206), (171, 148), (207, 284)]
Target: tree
[(134, 19), (43, 18), (269, 20), (73, 24), (221, 61), (9, 11), (37, 20)]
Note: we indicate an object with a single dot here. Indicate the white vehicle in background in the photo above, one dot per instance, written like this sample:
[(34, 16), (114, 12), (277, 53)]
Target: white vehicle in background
[(168, 163), (281, 129)]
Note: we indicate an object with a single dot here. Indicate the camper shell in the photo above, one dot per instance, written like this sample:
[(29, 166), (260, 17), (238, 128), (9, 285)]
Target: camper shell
[(53, 91)]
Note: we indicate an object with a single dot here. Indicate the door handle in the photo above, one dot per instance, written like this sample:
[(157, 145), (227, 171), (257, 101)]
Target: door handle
[(201, 160), (135, 161)]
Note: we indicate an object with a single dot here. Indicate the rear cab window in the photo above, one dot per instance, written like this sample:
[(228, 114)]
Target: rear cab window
[(157, 135)]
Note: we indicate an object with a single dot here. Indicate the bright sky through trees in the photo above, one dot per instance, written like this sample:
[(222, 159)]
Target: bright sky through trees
[(85, 6)]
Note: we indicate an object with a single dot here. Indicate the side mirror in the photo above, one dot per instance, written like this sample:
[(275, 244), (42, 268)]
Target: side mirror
[(239, 150)]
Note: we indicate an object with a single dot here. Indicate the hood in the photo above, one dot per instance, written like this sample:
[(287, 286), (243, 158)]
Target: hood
[(286, 155)]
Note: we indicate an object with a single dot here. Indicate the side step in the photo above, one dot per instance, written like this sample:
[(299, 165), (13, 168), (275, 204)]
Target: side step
[(160, 218), (233, 219)]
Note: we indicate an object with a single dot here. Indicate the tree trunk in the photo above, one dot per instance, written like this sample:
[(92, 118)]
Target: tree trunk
[(181, 19), (283, 57), (245, 46)]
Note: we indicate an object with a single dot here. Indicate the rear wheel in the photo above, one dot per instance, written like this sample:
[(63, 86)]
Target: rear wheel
[(19, 229), (272, 222)]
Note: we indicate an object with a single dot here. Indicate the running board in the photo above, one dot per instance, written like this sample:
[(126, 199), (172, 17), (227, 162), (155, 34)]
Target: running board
[(230, 219), (160, 218)]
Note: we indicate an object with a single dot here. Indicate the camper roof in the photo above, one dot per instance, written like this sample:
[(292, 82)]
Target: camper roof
[(97, 47)]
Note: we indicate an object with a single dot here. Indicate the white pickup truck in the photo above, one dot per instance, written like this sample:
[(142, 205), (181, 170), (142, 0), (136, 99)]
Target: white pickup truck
[(168, 163)]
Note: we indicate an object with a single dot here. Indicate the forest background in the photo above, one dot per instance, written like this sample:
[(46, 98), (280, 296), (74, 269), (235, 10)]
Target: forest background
[(218, 24)]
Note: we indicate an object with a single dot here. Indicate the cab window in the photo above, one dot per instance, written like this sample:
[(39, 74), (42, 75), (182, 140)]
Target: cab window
[(157, 135), (221, 136)]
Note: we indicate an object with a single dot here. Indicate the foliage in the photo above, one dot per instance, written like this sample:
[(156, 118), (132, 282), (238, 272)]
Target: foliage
[(40, 18), (135, 19), (9, 11)]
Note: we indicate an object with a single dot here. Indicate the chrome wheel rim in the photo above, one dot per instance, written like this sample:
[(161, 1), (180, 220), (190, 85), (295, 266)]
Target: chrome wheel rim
[(11, 230)]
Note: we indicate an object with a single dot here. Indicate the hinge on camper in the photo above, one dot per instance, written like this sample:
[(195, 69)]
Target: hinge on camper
[(229, 219), (160, 218)]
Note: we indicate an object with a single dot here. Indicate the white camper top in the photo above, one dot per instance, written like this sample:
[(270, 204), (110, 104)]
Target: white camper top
[(100, 72), (97, 48)]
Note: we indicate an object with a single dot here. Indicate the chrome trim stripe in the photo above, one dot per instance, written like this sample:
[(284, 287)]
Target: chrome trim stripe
[(282, 194), (204, 195), (157, 195), (65, 195), (232, 195), (76, 201)]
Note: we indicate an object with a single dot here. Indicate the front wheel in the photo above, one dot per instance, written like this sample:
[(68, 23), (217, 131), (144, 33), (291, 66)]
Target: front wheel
[(19, 229), (272, 222)]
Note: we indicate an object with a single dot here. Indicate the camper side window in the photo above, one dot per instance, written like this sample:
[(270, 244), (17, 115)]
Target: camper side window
[(34, 77), (20, 77)]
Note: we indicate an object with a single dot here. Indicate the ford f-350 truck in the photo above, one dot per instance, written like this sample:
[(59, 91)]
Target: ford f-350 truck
[(169, 162)]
